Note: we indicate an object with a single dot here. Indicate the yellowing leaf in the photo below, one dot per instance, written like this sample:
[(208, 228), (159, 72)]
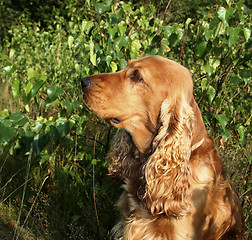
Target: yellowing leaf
[(28, 88), (92, 54), (70, 41), (12, 52), (136, 45), (31, 73), (113, 66)]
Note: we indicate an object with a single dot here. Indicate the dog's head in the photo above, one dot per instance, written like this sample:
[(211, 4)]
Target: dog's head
[(134, 97)]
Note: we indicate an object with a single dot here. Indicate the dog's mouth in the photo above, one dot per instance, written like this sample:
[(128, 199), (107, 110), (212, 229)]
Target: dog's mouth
[(84, 100), (113, 120)]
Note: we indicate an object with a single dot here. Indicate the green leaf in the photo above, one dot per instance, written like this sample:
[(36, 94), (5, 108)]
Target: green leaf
[(246, 76), (241, 133), (4, 113), (211, 93), (7, 123), (37, 126), (22, 121), (123, 63), (77, 105), (36, 88), (18, 119), (51, 92), (247, 33), (222, 14), (68, 106), (236, 80), (218, 51), (119, 54), (208, 33), (15, 117), (200, 49), (168, 30), (165, 45), (204, 84), (208, 68), (86, 26), (8, 70), (187, 22), (229, 2), (123, 42), (15, 87), (229, 13), (108, 60), (222, 119), (225, 133), (6, 133), (112, 32), (62, 127), (122, 27), (39, 142), (21, 132), (100, 8), (52, 103), (233, 35), (133, 55), (179, 33)]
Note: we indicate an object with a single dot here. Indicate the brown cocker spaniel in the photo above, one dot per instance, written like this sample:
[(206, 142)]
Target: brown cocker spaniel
[(174, 184)]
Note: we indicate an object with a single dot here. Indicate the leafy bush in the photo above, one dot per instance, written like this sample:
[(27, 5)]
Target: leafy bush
[(53, 166)]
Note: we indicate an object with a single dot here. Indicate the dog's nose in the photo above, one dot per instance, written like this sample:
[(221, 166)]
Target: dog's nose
[(85, 82)]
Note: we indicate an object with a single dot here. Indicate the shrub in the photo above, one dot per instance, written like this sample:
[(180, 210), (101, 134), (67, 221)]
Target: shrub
[(53, 149)]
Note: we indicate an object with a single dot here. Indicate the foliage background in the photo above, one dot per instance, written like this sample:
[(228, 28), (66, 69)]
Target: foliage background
[(53, 175)]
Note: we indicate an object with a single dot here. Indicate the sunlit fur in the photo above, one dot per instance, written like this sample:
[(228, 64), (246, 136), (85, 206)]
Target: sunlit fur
[(173, 179)]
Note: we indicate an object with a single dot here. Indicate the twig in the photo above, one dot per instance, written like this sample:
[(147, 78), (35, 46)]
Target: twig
[(10, 179), (182, 52), (108, 140), (88, 138), (32, 206), (17, 231), (16, 190), (3, 164), (166, 8), (96, 213), (245, 192)]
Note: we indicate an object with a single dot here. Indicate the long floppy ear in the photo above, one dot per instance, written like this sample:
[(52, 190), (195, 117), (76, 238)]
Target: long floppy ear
[(167, 172), (123, 156)]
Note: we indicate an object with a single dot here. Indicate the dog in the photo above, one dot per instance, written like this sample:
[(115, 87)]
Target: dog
[(173, 179)]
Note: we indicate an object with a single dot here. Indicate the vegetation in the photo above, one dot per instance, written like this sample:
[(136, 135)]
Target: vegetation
[(53, 175)]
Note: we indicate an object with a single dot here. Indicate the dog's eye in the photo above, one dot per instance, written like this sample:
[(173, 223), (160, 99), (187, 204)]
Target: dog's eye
[(116, 120), (136, 76)]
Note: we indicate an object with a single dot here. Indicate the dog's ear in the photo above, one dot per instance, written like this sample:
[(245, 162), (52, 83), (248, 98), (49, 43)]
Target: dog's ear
[(123, 156), (167, 172)]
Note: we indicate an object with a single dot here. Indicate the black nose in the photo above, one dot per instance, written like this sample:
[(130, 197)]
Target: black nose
[(85, 82)]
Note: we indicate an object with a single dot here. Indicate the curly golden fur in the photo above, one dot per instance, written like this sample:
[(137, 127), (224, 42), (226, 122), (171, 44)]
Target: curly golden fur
[(174, 183)]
